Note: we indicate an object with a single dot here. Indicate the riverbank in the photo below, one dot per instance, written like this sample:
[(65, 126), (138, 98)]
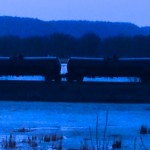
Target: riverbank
[(75, 92)]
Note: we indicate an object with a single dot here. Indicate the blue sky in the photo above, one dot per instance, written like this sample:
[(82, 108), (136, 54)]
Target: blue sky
[(134, 11)]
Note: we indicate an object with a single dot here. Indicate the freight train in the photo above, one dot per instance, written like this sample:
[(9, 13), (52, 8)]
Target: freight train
[(77, 67), (49, 67)]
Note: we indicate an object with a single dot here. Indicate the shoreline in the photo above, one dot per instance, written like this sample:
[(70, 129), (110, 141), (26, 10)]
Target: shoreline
[(91, 92)]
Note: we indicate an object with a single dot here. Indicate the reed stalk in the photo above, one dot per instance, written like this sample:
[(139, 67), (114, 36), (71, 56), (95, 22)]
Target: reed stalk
[(105, 130)]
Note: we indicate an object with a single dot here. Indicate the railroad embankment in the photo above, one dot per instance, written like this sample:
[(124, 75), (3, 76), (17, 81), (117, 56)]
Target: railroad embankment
[(75, 92)]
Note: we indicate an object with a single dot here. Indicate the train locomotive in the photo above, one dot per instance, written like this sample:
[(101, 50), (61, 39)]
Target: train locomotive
[(49, 67), (79, 67)]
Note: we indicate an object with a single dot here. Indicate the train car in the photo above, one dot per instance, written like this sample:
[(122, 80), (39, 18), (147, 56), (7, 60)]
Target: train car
[(49, 67), (79, 67)]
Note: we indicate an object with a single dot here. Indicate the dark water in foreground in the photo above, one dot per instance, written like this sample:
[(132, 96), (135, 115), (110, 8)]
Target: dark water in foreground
[(73, 120)]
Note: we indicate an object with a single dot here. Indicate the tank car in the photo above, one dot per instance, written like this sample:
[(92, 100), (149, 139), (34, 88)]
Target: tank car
[(79, 67), (49, 67)]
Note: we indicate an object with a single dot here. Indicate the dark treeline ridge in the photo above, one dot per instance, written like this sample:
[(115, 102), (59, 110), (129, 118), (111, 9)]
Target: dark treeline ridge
[(65, 46), (28, 27)]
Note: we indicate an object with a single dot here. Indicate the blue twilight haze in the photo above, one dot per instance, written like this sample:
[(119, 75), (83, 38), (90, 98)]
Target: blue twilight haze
[(134, 11)]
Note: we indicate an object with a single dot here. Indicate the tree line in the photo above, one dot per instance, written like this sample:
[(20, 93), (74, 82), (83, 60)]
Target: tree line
[(65, 46)]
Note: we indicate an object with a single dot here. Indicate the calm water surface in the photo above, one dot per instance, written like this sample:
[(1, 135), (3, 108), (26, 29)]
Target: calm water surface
[(74, 119)]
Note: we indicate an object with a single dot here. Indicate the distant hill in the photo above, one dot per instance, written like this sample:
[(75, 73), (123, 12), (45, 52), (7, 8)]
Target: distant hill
[(27, 27)]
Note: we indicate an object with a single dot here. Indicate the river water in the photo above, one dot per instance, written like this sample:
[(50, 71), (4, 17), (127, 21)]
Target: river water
[(73, 120)]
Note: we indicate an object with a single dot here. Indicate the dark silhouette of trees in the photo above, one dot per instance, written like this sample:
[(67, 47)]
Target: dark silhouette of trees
[(10, 45), (64, 46), (141, 44), (90, 45), (120, 46)]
